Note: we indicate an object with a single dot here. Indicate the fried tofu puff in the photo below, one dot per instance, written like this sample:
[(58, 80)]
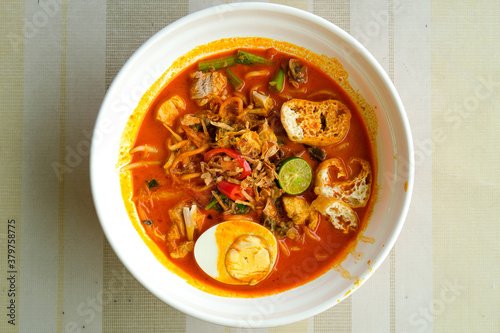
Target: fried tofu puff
[(354, 191), (337, 212)]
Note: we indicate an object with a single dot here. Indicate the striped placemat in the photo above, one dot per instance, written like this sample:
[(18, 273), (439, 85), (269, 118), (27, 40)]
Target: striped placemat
[(58, 273)]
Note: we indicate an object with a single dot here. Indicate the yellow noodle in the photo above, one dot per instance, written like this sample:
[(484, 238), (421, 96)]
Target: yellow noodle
[(284, 248), (203, 188), (176, 136), (263, 72), (169, 161), (144, 148), (177, 145), (189, 154), (310, 234), (138, 164), (323, 92), (242, 96), (233, 99), (342, 146), (190, 176), (166, 195)]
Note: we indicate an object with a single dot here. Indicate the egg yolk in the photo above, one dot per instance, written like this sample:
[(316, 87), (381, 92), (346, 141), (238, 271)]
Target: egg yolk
[(248, 259)]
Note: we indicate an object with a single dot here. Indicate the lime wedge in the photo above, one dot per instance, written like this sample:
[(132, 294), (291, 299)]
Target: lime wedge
[(295, 175)]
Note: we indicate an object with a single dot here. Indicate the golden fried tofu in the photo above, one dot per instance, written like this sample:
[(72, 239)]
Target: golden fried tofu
[(355, 191), (337, 212), (315, 123)]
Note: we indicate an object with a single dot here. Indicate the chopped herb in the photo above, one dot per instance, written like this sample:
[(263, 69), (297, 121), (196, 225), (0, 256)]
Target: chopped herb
[(316, 153), (211, 129), (218, 208), (240, 209), (197, 127), (147, 222), (214, 204), (281, 142), (211, 204), (237, 208), (224, 199), (281, 229), (152, 183), (270, 223)]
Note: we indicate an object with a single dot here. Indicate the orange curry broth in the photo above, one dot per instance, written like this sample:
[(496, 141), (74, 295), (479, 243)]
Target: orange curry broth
[(302, 265)]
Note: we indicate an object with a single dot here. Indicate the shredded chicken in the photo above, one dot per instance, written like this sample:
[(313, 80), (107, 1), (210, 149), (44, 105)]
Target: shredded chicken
[(207, 86), (262, 101), (168, 110), (182, 250)]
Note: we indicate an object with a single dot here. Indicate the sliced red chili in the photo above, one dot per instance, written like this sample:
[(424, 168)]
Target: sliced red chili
[(230, 190), (242, 163)]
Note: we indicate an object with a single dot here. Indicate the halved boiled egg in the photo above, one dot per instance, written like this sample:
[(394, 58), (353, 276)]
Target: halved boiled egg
[(237, 252)]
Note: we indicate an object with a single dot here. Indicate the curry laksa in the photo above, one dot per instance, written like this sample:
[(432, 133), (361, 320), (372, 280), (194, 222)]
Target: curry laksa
[(252, 171)]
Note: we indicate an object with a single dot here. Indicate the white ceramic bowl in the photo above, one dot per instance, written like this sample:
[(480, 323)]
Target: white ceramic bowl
[(394, 150)]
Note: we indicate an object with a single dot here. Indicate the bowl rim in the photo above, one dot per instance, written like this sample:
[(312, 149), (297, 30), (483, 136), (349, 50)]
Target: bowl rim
[(323, 23)]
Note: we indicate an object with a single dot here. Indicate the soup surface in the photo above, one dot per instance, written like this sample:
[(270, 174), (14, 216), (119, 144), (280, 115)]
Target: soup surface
[(216, 145)]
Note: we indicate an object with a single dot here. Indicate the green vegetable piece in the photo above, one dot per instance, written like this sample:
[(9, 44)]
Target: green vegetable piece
[(269, 223), (247, 58), (216, 64), (278, 79), (214, 204), (211, 204), (152, 183), (234, 80), (295, 175), (240, 209)]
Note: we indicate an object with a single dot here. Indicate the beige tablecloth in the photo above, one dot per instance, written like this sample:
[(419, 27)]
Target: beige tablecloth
[(57, 272)]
